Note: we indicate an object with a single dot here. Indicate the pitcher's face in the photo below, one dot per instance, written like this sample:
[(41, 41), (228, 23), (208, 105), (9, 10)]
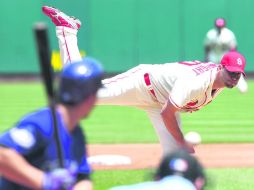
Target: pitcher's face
[(230, 79)]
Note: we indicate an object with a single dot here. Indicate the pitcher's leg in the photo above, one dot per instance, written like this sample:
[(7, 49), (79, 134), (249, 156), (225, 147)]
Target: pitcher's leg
[(66, 31), (68, 44), (121, 89), (167, 141)]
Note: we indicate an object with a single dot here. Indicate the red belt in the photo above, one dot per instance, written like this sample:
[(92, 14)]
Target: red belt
[(148, 84)]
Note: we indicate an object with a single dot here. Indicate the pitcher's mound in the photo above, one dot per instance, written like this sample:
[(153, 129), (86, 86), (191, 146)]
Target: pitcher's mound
[(140, 156)]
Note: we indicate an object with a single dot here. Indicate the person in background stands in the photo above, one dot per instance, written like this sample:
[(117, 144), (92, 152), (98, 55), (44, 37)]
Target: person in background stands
[(218, 41)]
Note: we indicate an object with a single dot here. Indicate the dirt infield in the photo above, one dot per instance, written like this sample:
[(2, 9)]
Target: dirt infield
[(148, 155)]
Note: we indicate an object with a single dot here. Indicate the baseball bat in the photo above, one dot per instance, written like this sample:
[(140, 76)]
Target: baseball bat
[(47, 74)]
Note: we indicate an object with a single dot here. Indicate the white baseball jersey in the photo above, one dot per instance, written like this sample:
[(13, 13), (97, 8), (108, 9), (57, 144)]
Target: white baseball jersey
[(219, 43), (188, 85)]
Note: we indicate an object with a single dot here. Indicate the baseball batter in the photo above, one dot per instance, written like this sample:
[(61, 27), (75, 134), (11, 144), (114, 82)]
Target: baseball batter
[(218, 41), (162, 90), (28, 151)]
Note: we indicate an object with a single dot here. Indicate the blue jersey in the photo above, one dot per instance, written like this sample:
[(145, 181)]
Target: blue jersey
[(33, 137)]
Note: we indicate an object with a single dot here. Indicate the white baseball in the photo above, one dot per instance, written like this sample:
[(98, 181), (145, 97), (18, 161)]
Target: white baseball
[(192, 138)]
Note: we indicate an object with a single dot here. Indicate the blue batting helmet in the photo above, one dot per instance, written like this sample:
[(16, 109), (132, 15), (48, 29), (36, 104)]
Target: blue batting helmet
[(79, 80)]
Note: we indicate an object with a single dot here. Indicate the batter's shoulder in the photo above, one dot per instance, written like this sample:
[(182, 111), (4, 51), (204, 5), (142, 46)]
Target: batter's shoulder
[(40, 119)]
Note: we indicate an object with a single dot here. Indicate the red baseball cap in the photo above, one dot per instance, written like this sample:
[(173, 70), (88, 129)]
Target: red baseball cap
[(233, 61)]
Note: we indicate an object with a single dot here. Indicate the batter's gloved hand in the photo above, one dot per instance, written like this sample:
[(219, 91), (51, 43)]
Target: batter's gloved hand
[(60, 178)]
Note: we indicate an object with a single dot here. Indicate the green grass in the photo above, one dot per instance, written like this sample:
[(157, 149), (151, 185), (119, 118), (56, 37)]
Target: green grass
[(230, 179), (228, 119), (218, 179), (105, 179), (16, 99)]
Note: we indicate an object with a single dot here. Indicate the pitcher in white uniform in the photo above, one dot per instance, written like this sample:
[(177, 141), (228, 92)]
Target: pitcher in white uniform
[(162, 90), (218, 41)]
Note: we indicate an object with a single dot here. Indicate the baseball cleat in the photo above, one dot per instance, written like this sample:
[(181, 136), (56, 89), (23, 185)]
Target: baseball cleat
[(61, 19)]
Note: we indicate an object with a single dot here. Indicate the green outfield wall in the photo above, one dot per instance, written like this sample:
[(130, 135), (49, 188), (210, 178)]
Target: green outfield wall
[(125, 33)]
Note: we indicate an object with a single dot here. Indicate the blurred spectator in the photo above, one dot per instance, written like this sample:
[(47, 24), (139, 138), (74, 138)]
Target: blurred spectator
[(177, 171), (218, 41)]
